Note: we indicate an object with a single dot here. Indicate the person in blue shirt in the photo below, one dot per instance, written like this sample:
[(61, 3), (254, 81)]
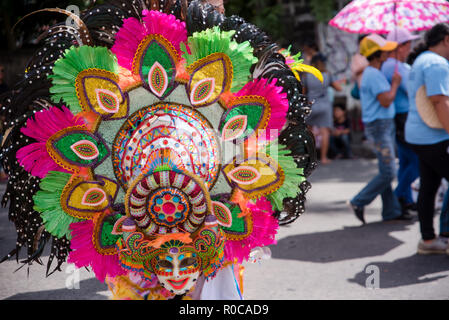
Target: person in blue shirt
[(408, 160), (429, 87), (376, 97)]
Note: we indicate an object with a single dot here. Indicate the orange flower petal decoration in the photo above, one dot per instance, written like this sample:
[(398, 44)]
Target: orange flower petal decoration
[(162, 238)]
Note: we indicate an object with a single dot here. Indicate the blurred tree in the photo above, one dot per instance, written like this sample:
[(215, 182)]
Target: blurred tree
[(265, 14), (323, 10)]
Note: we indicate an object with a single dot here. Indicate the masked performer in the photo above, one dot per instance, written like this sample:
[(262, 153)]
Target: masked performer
[(157, 143)]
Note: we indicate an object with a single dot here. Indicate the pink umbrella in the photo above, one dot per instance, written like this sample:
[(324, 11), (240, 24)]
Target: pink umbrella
[(381, 16)]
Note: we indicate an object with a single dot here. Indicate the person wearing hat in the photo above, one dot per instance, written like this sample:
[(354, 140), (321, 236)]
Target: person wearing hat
[(427, 128), (321, 116), (377, 99), (408, 160)]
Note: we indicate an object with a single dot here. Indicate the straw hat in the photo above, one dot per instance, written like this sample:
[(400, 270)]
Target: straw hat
[(426, 109)]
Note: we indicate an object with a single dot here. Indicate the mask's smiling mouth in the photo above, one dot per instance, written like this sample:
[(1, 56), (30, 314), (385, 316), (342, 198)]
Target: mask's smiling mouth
[(178, 284)]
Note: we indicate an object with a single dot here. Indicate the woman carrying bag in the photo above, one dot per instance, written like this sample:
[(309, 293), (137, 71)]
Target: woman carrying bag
[(427, 128)]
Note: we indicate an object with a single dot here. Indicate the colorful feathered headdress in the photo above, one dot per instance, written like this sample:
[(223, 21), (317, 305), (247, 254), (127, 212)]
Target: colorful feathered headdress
[(158, 148)]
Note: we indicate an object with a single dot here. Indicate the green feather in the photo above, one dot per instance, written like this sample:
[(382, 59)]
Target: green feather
[(214, 40), (47, 201), (293, 175), (67, 68)]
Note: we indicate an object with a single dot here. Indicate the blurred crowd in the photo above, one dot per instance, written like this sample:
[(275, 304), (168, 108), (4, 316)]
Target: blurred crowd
[(402, 84)]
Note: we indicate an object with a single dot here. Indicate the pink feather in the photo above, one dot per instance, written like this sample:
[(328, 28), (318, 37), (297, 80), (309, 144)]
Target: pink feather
[(83, 252), (34, 157), (278, 102), (133, 31), (265, 228), (127, 41), (166, 25)]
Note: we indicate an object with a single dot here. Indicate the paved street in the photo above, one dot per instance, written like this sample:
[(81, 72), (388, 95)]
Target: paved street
[(325, 254)]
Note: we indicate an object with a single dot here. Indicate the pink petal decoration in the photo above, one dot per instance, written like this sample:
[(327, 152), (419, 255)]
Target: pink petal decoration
[(88, 193), (209, 83), (83, 252), (163, 77), (230, 131), (278, 102), (133, 31), (74, 147), (236, 175), (265, 228), (34, 157), (222, 213), (114, 107)]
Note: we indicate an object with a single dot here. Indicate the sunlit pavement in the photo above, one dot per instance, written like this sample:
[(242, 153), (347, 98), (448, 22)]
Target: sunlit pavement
[(325, 254), (328, 254)]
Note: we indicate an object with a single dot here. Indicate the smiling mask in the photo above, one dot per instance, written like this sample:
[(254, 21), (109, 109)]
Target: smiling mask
[(177, 268)]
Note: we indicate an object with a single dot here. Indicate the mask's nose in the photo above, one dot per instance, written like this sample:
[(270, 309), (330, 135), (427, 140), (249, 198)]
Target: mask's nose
[(176, 268)]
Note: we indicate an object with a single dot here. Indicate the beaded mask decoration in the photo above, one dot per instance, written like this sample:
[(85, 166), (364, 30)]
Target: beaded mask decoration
[(157, 149)]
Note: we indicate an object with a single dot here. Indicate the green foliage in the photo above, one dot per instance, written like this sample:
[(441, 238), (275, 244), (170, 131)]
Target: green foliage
[(265, 14), (322, 10)]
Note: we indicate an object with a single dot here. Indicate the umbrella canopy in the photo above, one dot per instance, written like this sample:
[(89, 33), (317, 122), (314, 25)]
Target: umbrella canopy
[(381, 16)]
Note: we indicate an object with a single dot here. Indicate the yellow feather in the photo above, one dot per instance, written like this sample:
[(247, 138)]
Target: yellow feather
[(299, 67)]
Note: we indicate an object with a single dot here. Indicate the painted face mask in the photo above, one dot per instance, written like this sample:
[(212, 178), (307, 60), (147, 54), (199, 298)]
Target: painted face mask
[(178, 268), (176, 259)]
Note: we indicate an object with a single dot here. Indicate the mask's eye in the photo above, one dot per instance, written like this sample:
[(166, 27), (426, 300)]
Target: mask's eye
[(165, 264), (187, 262)]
